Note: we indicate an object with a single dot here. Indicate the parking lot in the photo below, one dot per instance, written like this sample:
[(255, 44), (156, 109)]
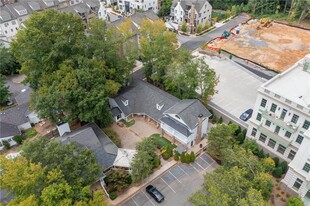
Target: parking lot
[(177, 184)]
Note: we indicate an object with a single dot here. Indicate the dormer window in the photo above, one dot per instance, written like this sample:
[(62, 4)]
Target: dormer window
[(20, 10), (125, 102), (49, 3), (177, 116), (159, 107)]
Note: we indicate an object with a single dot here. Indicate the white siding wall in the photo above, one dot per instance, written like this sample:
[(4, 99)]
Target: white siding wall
[(205, 14), (138, 4), (102, 13), (290, 179), (9, 139), (178, 14), (181, 138), (10, 28)]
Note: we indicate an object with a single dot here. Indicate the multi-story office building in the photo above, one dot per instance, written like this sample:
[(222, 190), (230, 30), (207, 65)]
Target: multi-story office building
[(281, 121)]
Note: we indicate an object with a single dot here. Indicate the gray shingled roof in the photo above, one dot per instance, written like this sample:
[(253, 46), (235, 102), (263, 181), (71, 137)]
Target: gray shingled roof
[(143, 97), (176, 125), (7, 130), (184, 3), (92, 137), (139, 16), (189, 110), (118, 22), (24, 96), (35, 6), (15, 115), (4, 15)]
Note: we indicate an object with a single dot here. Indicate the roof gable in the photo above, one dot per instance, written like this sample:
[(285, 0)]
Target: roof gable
[(189, 110)]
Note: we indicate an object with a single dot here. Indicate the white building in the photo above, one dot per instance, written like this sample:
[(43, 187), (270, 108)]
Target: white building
[(193, 12), (129, 6), (281, 121)]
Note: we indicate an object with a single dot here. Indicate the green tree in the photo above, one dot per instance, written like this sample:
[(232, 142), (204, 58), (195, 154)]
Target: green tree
[(8, 63), (234, 10), (165, 8), (4, 90), (253, 197), (199, 28), (78, 165), (141, 166), (219, 139), (263, 183), (157, 48), (184, 27), (295, 201), (48, 39)]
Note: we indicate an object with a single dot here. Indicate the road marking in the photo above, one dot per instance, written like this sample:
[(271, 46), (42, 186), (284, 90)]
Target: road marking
[(175, 177), (195, 168), (183, 170), (167, 185), (205, 161), (148, 198), (200, 166), (134, 201)]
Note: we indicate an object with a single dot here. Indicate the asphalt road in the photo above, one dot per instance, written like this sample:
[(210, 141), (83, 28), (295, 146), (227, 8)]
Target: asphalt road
[(192, 43)]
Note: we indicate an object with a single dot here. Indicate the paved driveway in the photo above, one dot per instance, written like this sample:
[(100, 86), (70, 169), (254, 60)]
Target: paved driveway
[(193, 43), (177, 184)]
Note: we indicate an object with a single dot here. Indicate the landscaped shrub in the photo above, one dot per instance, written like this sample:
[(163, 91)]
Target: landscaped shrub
[(268, 164), (276, 161), (230, 122), (199, 28), (18, 139), (176, 156), (183, 157), (113, 136), (284, 166), (250, 145), (277, 172), (212, 113), (240, 138), (214, 119), (220, 120), (6, 144), (184, 27), (187, 158), (295, 201), (238, 130), (156, 162), (31, 133), (113, 195), (192, 157), (118, 180), (261, 154), (167, 153)]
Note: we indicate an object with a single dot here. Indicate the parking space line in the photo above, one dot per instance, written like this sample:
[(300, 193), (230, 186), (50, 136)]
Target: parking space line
[(148, 198), (167, 185), (200, 165), (183, 170), (195, 168), (175, 177), (134, 201), (204, 161)]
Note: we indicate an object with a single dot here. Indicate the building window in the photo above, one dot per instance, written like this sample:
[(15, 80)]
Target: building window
[(263, 103), (271, 143), (273, 107), (308, 194), (306, 124), (268, 123), (299, 139), (284, 111), (295, 118), (288, 134), (10, 140), (288, 101), (297, 183), (306, 167), (277, 130), (262, 138), (13, 22), (6, 24), (5, 31), (291, 155), (281, 149), (259, 117), (254, 131)]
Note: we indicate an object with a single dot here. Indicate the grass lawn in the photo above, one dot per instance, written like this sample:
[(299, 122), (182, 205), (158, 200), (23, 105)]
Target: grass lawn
[(129, 123), (161, 141)]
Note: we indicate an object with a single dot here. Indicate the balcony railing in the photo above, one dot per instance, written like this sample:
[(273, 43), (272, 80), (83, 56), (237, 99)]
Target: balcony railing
[(288, 126), (281, 140)]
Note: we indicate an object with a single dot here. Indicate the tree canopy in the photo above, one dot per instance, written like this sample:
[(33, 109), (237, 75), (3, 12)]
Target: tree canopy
[(8, 63), (77, 166), (4, 90)]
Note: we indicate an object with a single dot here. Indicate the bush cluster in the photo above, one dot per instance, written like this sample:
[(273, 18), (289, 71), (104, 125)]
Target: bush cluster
[(188, 158)]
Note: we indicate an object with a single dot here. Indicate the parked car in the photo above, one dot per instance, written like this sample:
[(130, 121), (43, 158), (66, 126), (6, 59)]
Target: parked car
[(155, 193), (246, 115)]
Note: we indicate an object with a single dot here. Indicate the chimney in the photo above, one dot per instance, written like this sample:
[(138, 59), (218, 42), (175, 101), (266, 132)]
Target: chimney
[(63, 127), (199, 128), (192, 18)]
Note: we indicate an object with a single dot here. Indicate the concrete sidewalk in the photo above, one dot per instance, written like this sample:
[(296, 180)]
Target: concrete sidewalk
[(133, 190)]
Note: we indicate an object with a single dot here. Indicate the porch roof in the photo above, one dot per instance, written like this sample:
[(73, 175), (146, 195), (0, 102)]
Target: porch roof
[(176, 126)]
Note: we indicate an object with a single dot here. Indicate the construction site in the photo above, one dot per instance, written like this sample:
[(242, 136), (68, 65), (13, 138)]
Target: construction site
[(274, 46)]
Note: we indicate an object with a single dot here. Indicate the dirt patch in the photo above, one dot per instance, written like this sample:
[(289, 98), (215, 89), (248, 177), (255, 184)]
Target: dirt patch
[(277, 47), (278, 196)]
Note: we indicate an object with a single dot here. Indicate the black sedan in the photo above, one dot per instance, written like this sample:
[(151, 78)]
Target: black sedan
[(246, 115), (155, 193)]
